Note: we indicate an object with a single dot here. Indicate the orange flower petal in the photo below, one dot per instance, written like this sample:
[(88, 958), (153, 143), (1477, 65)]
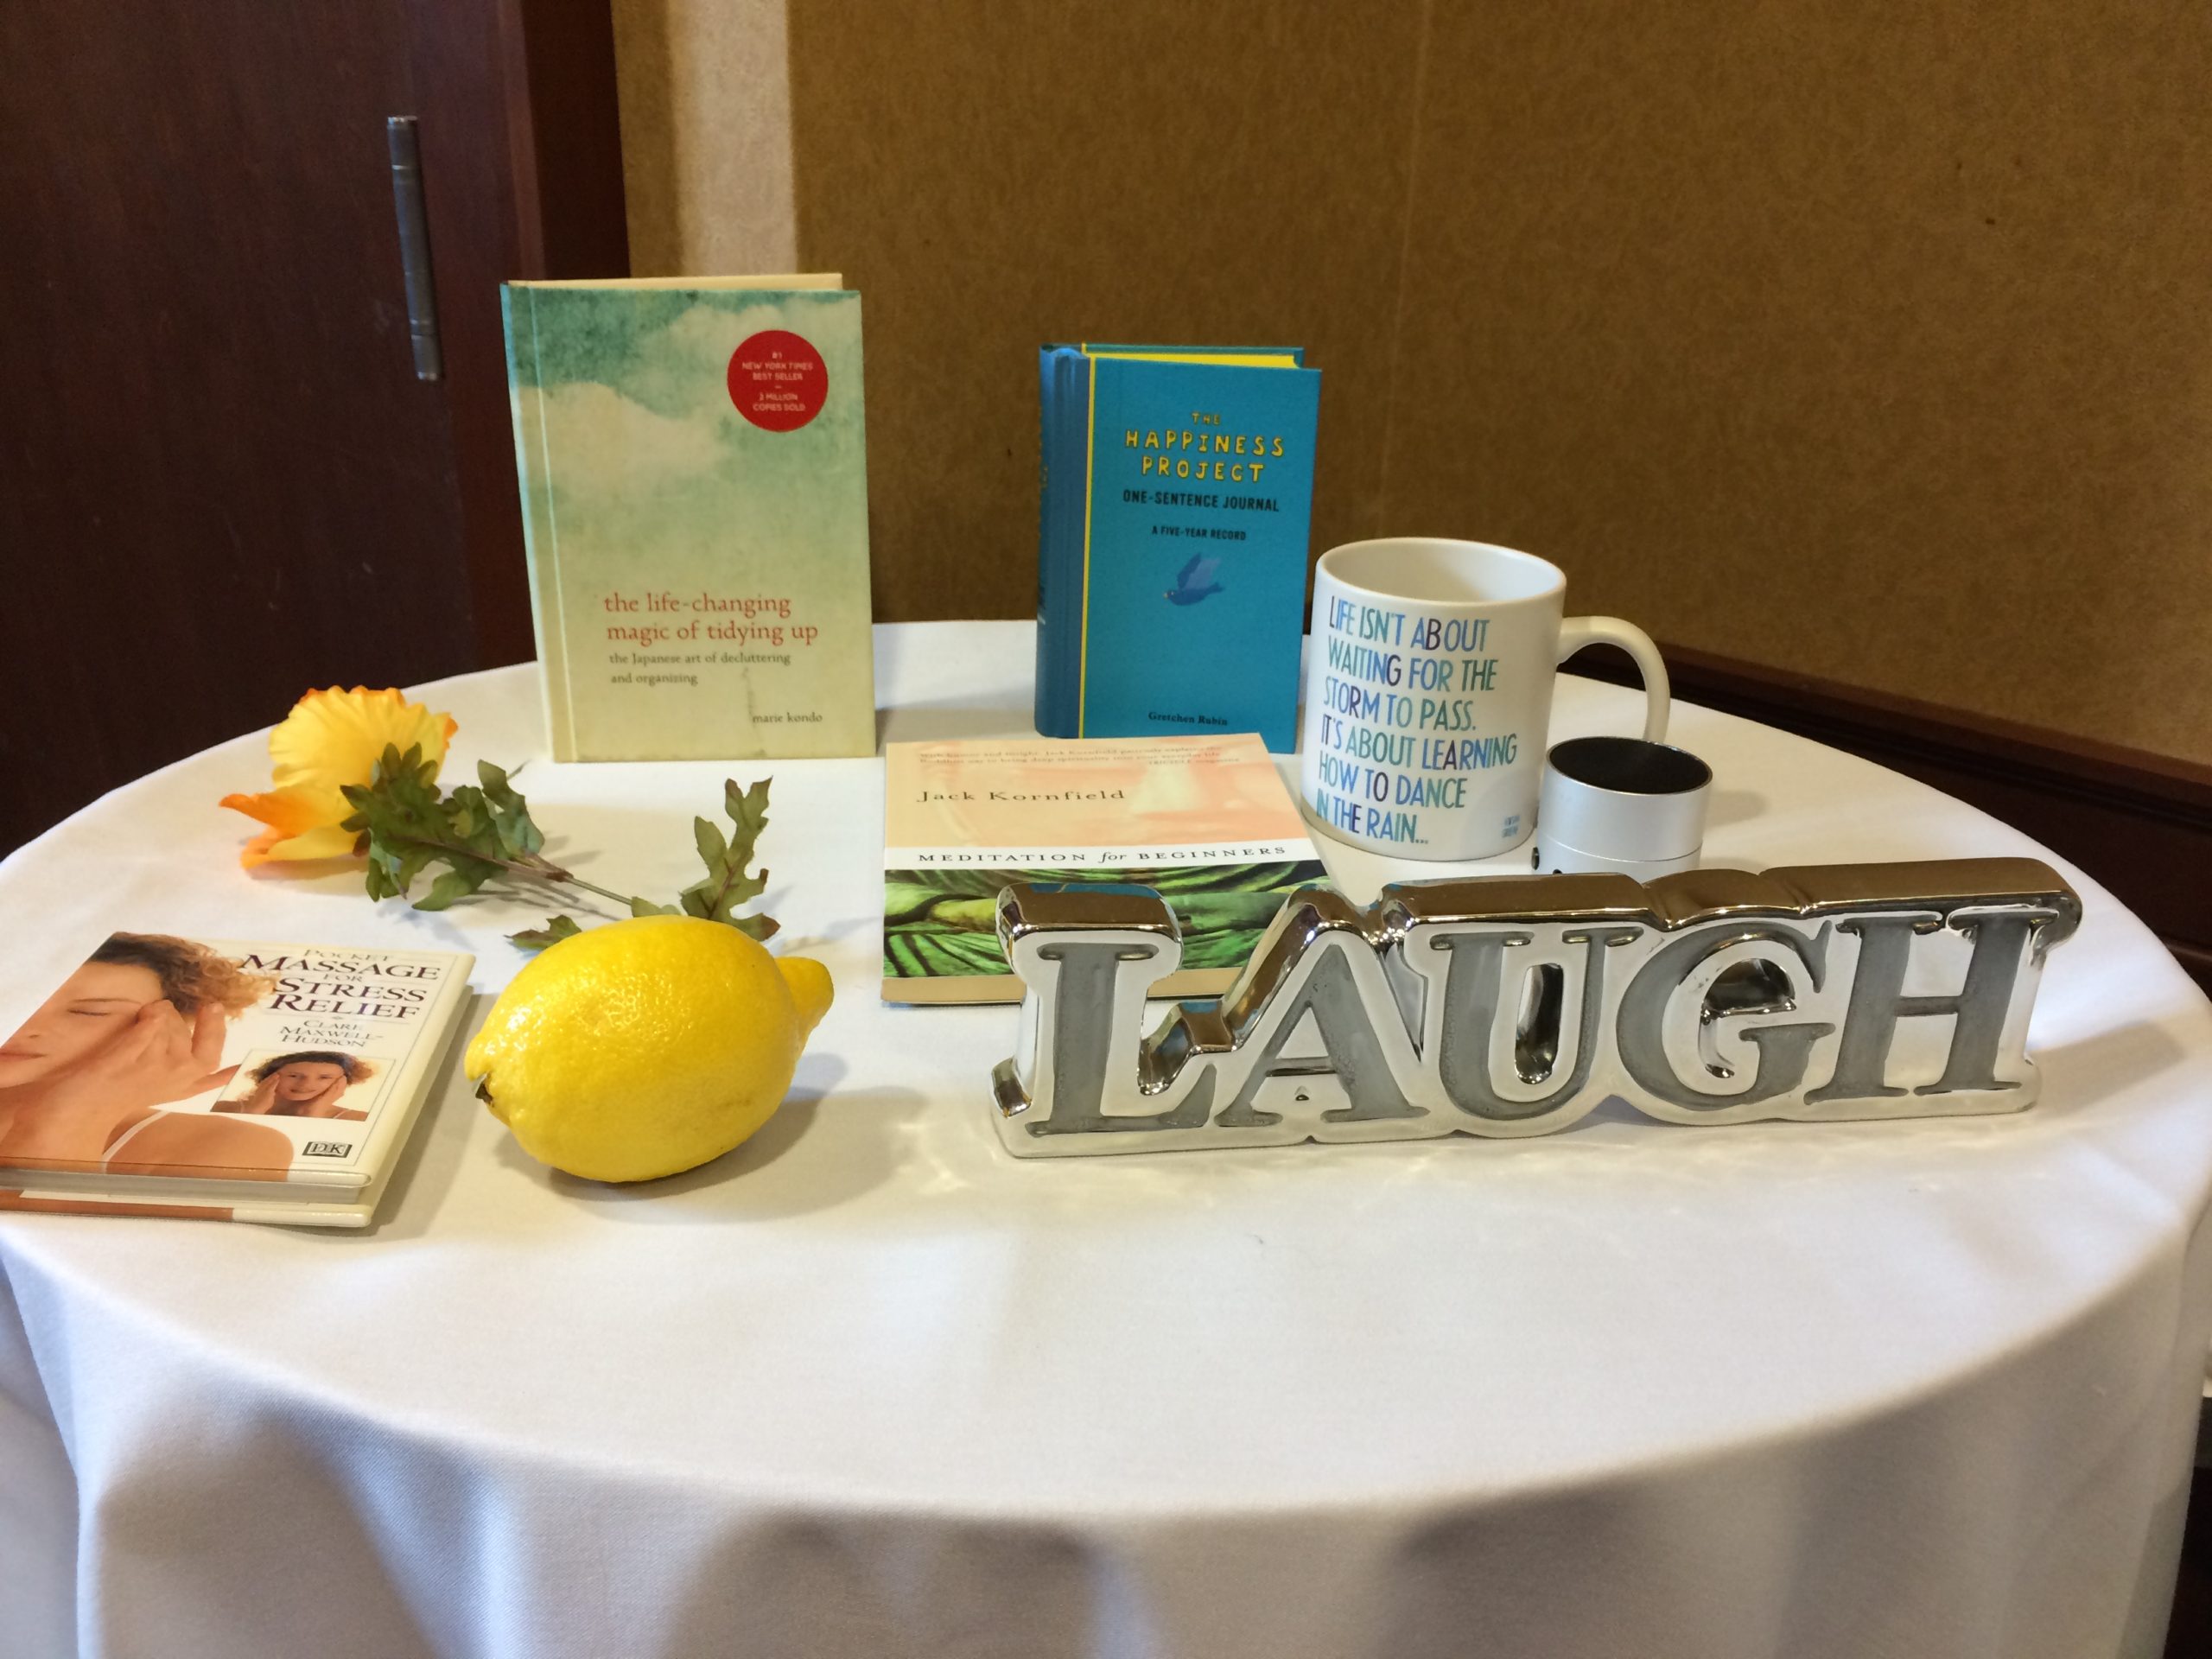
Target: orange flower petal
[(331, 739), (257, 850), (327, 840), (288, 812)]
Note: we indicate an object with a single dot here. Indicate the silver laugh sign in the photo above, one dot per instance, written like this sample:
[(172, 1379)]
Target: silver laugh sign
[(1512, 1005)]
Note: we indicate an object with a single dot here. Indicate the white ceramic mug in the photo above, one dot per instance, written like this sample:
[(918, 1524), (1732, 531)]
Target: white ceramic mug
[(1428, 693)]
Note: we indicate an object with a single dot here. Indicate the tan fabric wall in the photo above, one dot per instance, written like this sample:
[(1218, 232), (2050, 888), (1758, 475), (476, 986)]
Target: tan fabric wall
[(706, 136), (1871, 342)]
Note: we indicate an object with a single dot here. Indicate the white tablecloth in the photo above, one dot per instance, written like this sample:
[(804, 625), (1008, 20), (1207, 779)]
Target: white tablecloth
[(870, 1387)]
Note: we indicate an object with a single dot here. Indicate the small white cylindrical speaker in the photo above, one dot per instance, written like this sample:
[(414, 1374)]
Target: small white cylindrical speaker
[(1621, 804)]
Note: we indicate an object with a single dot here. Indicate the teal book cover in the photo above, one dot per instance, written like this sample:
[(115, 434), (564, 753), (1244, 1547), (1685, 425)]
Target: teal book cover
[(693, 461), (1172, 535)]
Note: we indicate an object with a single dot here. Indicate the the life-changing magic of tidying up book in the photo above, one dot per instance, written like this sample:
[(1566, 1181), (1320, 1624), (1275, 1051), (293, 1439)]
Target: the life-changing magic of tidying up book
[(693, 460), (1204, 820), (1172, 540), (229, 1081)]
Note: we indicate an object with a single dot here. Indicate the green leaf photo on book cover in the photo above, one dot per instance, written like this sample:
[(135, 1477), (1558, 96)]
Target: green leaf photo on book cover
[(943, 923)]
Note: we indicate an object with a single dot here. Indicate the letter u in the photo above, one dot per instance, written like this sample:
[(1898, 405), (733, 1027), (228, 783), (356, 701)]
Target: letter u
[(1476, 1028)]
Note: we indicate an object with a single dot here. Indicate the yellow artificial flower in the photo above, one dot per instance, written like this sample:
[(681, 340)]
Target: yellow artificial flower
[(331, 739)]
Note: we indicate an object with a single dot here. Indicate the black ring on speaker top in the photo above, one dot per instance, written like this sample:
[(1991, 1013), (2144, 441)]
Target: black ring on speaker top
[(1630, 765)]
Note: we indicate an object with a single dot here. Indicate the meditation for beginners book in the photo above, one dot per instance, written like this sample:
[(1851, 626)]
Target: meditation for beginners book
[(1207, 821)]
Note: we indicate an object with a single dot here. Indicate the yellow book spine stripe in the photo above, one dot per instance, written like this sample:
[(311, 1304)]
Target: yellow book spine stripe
[(1231, 360), (1090, 461)]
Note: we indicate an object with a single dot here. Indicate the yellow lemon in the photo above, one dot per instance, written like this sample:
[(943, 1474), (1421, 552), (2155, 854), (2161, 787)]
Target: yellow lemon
[(645, 1046)]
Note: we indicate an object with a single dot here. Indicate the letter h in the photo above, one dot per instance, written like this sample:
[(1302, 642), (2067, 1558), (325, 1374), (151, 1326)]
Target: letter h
[(2001, 942)]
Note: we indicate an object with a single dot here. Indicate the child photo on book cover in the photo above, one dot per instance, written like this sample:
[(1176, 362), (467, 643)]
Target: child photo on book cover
[(92, 1079), (303, 1083)]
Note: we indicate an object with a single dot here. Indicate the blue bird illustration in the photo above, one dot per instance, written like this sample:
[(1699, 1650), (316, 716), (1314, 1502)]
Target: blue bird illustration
[(1195, 581)]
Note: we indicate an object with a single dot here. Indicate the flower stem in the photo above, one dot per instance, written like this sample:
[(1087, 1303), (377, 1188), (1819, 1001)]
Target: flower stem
[(532, 867), (547, 870)]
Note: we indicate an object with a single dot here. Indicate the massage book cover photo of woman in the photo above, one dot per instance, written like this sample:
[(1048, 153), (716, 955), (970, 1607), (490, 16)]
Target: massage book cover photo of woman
[(161, 1055)]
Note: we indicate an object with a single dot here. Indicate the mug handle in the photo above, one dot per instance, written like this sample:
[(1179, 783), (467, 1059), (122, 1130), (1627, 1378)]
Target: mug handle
[(1576, 632)]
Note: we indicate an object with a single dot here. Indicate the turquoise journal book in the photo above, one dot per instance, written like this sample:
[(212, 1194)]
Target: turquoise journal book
[(1171, 541)]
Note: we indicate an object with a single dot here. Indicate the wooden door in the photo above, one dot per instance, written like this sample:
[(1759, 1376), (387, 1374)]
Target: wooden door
[(221, 480)]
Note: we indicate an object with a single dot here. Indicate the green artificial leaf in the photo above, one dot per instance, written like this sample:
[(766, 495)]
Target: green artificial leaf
[(396, 863), (482, 832), (748, 812), (469, 821), (726, 885), (713, 849), (404, 826), (511, 817), (557, 929), (458, 882)]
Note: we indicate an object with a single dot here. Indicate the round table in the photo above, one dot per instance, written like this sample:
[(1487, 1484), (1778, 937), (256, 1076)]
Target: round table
[(869, 1386)]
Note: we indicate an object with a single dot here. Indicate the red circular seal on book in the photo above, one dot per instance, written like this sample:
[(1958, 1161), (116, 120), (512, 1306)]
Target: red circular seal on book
[(778, 381)]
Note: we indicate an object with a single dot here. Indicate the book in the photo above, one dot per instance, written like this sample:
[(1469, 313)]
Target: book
[(1204, 820), (1172, 540), (693, 464), (224, 1080)]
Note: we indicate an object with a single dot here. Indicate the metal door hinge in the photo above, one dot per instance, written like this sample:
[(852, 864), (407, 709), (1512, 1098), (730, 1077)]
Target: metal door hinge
[(415, 245)]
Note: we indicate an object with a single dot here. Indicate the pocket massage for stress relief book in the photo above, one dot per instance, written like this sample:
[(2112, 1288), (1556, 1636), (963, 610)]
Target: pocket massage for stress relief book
[(693, 460), (224, 1080), (1171, 540)]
